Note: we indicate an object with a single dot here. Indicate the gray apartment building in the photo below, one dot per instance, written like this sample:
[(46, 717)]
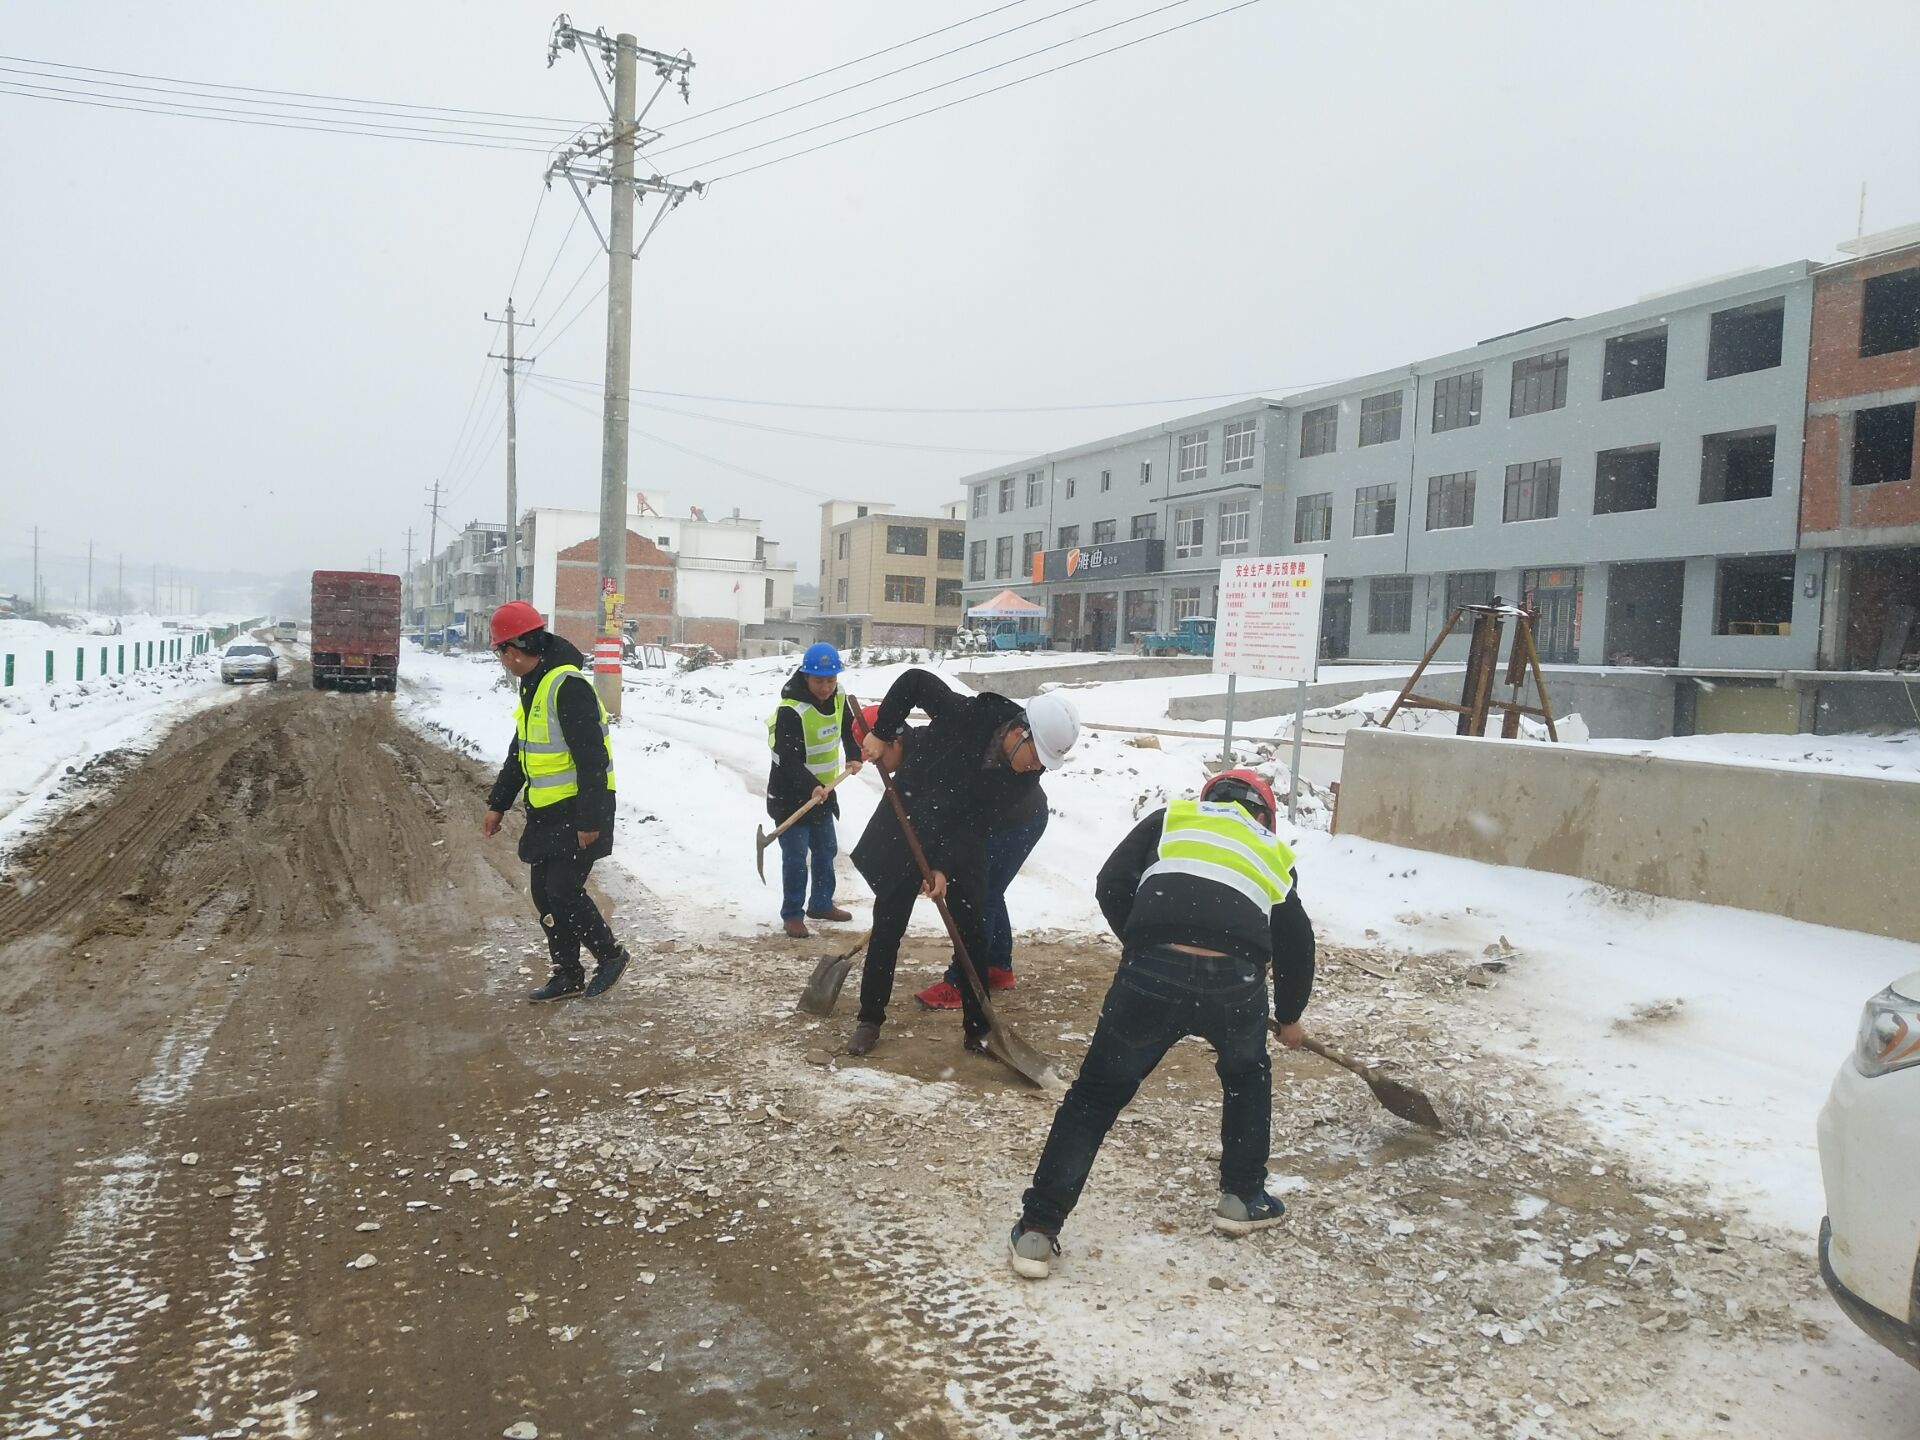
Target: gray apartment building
[(1125, 535), (1634, 476)]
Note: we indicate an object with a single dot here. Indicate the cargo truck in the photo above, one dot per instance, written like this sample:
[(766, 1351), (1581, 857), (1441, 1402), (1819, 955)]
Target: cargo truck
[(356, 630)]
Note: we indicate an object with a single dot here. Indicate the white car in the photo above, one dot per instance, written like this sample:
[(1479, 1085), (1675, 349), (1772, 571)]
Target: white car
[(1870, 1162), (248, 660)]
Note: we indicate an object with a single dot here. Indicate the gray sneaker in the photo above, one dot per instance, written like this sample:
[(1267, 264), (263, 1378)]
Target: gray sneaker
[(1032, 1251), (1234, 1216)]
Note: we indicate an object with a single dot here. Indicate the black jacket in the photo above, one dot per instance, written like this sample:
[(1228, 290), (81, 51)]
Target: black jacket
[(550, 831), (789, 782), (956, 787), (1188, 910)]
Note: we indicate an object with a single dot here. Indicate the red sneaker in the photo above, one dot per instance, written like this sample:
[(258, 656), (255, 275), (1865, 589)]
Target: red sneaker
[(940, 997), (999, 978)]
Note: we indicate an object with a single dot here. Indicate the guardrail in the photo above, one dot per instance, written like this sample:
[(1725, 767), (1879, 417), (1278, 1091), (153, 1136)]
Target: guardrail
[(119, 657)]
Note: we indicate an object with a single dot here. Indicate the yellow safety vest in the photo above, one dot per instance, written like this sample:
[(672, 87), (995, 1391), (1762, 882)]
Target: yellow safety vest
[(1222, 843), (545, 759), (821, 734)]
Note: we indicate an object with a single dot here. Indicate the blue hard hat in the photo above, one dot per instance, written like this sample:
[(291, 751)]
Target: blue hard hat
[(821, 659)]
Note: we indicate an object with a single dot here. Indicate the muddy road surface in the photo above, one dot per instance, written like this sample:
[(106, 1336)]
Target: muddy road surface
[(260, 1004), (286, 1154)]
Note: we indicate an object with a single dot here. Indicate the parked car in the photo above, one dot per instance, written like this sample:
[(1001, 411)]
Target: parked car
[(1870, 1164), (248, 660), (1193, 635)]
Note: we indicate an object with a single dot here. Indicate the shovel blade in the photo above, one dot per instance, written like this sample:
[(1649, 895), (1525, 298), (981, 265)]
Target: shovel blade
[(760, 851), (823, 987), (1403, 1100), (1018, 1056)]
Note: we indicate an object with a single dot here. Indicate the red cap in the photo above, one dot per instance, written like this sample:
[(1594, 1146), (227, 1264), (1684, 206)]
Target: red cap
[(514, 619), (1250, 780)]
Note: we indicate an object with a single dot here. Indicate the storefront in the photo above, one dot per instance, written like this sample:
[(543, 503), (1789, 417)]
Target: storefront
[(1089, 610)]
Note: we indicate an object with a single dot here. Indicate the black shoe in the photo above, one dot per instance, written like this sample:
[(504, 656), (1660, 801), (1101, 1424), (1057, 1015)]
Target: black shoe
[(977, 1044), (560, 986), (608, 973)]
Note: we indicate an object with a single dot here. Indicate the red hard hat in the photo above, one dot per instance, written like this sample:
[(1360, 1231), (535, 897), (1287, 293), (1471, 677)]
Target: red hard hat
[(514, 619), (1237, 785)]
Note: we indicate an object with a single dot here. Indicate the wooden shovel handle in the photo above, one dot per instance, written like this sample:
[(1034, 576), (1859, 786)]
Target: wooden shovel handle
[(926, 874), (794, 819)]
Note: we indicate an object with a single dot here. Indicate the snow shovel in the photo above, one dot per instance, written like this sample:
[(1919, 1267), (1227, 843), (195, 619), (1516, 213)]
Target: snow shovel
[(761, 840), (1005, 1046), (1397, 1096), (823, 987)]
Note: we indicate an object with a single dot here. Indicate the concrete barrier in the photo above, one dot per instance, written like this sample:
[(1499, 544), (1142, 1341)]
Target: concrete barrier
[(1024, 682), (1830, 849)]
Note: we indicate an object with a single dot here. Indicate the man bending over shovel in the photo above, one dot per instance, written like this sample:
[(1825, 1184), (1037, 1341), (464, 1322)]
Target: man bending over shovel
[(1202, 895), (973, 765)]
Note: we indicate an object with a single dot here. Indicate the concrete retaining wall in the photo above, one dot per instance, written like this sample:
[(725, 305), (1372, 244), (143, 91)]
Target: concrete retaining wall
[(1024, 683), (1831, 849)]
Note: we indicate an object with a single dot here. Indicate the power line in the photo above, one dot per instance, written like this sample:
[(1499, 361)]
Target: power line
[(873, 80), (944, 84), (460, 435), (977, 95), (793, 485), (319, 127), (802, 434), (297, 94), (1285, 389), (561, 304), (549, 133), (843, 65), (531, 304), (526, 244)]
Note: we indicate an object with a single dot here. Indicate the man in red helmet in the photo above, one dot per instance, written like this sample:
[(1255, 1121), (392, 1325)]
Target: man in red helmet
[(1205, 899), (562, 756)]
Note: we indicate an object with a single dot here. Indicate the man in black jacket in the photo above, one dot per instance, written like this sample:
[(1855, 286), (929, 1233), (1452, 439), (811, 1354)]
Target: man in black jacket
[(1204, 897), (811, 732), (976, 762), (563, 758)]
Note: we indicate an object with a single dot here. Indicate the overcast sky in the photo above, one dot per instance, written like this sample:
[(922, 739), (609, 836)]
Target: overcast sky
[(257, 348)]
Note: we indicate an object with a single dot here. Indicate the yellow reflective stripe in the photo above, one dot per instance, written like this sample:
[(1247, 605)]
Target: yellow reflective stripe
[(819, 734), (547, 762), (1217, 874), (1227, 858), (1227, 841)]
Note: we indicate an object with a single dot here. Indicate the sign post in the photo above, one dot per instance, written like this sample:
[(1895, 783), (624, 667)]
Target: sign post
[(1269, 625)]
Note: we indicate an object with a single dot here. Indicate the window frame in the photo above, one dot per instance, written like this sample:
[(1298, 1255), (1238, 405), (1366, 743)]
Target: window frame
[(1189, 532), (1900, 324), (1386, 403), (1320, 431), (1538, 384), (976, 560), (1192, 450), (977, 510), (1066, 537), (1620, 374), (907, 532), (1111, 529), (1003, 557), (1182, 601), (946, 592), (958, 547), (899, 589), (1601, 478), (1720, 344), (1452, 597), (1452, 493), (1032, 543), (1302, 508), (1151, 531), (1447, 394), (1239, 508), (1728, 437), (1005, 503), (1235, 456), (1397, 589), (1374, 501), (1036, 488), (1527, 479), (1900, 454)]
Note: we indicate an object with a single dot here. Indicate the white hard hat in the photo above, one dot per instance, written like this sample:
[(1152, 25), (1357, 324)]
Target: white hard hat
[(1054, 725)]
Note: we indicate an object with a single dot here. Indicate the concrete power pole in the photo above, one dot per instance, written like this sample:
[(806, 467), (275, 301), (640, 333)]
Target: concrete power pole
[(512, 563), (619, 57), (410, 594), (433, 539)]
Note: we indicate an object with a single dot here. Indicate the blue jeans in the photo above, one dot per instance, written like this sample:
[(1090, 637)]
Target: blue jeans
[(1159, 996), (818, 836), (1007, 851)]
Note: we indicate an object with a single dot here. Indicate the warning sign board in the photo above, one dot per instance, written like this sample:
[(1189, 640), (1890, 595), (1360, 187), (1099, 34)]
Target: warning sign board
[(1269, 621)]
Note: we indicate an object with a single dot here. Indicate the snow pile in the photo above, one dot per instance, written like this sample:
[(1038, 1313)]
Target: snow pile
[(1892, 756)]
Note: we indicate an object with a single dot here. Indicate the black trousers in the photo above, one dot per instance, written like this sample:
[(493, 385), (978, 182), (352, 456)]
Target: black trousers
[(892, 908), (568, 913)]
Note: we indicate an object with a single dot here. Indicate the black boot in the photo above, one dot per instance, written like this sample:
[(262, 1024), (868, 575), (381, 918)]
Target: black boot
[(608, 973), (561, 985)]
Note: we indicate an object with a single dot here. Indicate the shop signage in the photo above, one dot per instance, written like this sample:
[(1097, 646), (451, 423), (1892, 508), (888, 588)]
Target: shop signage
[(1100, 562)]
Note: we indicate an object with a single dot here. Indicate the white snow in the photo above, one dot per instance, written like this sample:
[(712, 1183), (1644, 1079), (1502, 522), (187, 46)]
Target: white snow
[(1894, 756), (1700, 1038)]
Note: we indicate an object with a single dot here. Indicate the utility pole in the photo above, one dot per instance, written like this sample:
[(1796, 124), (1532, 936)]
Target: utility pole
[(619, 57), (433, 539), (410, 594), (120, 587), (89, 577), (36, 570), (153, 590), (513, 483)]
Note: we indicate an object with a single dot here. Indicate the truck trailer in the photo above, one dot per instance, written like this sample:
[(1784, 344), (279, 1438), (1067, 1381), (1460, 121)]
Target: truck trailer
[(356, 630)]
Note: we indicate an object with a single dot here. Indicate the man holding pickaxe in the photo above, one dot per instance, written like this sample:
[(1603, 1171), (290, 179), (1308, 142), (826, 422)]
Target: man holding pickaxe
[(811, 732)]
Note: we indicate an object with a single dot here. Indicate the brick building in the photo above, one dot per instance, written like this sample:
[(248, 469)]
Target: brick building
[(649, 592), (1860, 496)]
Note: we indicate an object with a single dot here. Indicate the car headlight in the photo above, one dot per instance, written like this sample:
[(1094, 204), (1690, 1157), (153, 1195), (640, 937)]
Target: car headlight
[(1889, 1035)]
